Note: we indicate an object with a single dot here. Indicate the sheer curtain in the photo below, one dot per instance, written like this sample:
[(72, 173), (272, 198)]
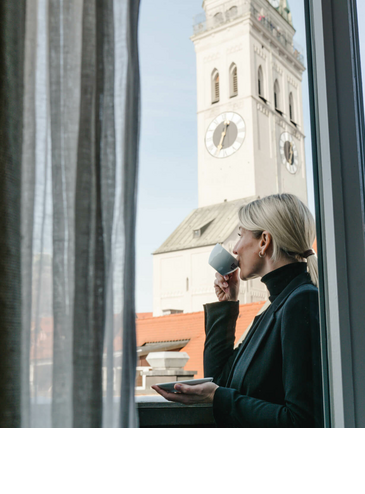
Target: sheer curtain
[(78, 81)]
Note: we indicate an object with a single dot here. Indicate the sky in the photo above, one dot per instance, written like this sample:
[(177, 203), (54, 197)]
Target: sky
[(168, 181)]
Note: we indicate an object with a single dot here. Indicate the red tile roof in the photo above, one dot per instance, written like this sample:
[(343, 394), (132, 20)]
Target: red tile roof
[(190, 327), (143, 315), (157, 329)]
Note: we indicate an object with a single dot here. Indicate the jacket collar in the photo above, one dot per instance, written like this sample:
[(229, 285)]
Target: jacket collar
[(299, 280)]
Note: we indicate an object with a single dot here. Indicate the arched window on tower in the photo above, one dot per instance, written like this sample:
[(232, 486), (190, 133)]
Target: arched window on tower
[(260, 84), (233, 81), (215, 86), (277, 101), (218, 18), (232, 13), (291, 109)]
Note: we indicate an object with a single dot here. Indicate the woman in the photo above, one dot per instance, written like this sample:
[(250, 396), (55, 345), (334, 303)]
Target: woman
[(273, 379)]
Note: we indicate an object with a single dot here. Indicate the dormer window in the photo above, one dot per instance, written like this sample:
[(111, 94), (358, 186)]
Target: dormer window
[(198, 232), (233, 82), (215, 86)]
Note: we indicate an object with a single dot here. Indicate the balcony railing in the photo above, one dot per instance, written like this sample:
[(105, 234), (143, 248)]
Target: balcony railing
[(201, 25)]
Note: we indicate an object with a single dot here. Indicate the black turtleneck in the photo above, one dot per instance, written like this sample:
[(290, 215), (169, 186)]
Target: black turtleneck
[(278, 279)]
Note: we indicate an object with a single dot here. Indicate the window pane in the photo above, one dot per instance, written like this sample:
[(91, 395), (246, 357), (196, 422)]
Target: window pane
[(196, 172)]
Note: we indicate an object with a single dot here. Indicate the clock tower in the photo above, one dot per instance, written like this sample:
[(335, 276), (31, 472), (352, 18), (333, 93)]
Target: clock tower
[(250, 142), (250, 118)]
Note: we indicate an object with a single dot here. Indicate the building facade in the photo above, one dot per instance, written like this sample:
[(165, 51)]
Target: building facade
[(250, 141)]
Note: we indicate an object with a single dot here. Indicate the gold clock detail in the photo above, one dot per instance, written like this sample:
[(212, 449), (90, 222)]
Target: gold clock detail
[(288, 152), (225, 135)]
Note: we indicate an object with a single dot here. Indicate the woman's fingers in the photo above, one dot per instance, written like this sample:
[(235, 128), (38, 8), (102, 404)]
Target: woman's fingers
[(221, 281), (201, 393), (175, 397), (163, 393)]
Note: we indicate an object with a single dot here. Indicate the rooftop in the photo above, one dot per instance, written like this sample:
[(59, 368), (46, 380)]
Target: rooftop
[(212, 224), (190, 326)]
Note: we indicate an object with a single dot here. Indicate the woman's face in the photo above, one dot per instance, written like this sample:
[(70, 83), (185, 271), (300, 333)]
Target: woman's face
[(247, 252)]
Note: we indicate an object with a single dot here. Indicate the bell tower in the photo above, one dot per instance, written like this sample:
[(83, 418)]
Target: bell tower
[(250, 141), (249, 101)]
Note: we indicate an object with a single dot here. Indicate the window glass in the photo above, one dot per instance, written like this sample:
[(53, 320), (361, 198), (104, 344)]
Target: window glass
[(197, 161)]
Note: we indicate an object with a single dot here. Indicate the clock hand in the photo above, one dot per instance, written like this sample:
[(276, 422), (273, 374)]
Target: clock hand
[(226, 123), (220, 145), (291, 153)]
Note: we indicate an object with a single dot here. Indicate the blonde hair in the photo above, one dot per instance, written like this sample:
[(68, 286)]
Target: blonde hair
[(290, 224)]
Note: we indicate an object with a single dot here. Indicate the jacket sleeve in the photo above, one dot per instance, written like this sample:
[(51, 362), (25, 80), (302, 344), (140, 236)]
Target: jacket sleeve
[(220, 329), (301, 375)]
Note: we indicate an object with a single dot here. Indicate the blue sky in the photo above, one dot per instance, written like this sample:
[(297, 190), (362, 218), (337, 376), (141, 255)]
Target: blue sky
[(168, 188)]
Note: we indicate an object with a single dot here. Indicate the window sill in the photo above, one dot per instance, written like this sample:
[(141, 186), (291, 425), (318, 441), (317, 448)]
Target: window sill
[(155, 411)]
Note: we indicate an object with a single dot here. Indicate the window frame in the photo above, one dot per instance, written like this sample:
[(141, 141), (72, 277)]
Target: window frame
[(277, 105), (291, 107), (337, 123), (232, 93), (214, 99), (260, 82)]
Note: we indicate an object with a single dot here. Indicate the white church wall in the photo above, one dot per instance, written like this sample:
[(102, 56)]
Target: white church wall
[(232, 177), (183, 280)]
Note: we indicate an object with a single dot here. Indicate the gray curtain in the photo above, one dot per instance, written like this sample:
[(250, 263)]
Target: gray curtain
[(12, 15), (78, 80)]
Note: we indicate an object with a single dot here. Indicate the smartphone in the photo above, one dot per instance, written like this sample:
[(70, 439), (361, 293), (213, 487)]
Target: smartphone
[(192, 382)]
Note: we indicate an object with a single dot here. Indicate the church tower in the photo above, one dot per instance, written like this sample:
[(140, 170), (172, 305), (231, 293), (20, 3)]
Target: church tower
[(250, 141), (250, 117)]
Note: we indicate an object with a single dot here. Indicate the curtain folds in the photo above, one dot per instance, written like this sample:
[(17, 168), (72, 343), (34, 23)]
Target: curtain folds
[(12, 19), (131, 138), (68, 190)]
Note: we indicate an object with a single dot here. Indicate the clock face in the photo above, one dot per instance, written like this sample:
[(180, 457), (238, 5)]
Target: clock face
[(275, 3), (225, 135), (288, 152)]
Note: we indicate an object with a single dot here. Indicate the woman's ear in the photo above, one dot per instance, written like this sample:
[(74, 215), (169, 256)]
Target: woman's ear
[(265, 241)]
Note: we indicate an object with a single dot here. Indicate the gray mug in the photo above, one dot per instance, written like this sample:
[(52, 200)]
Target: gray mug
[(222, 261)]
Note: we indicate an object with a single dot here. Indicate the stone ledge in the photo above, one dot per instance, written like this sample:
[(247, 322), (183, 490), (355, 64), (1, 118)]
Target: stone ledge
[(169, 372)]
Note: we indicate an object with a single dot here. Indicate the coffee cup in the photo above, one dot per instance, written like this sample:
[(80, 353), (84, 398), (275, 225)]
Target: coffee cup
[(222, 261)]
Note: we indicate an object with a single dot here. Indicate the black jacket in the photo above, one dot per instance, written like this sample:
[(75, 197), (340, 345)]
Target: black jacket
[(273, 379)]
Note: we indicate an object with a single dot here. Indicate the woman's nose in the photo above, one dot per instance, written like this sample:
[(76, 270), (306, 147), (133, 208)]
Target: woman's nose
[(235, 249)]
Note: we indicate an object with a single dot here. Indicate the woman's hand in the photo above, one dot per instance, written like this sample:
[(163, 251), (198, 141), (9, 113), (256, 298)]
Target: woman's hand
[(189, 395), (227, 287)]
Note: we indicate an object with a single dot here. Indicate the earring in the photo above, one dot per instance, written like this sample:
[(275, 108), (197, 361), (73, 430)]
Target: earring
[(262, 255)]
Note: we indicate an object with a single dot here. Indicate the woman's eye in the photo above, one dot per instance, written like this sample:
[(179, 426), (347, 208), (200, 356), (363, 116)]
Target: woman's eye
[(239, 234)]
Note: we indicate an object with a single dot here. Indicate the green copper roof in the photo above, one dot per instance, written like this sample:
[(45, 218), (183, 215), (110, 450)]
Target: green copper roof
[(284, 11)]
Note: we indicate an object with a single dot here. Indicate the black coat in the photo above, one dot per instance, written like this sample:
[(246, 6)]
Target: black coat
[(273, 379)]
